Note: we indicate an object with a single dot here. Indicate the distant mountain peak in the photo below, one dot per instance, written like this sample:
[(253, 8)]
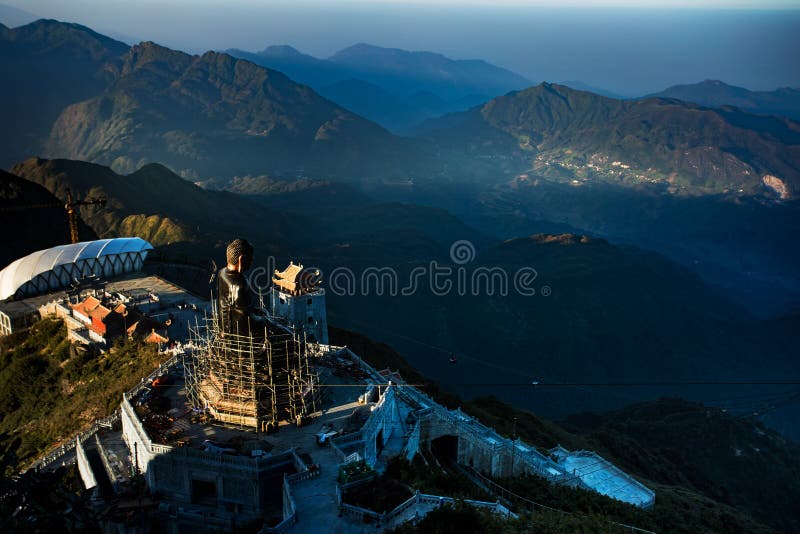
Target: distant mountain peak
[(366, 50), (718, 94), (156, 168), (397, 88), (567, 239), (281, 51), (366, 47), (47, 35), (555, 89), (448, 78), (710, 84), (148, 52), (49, 24)]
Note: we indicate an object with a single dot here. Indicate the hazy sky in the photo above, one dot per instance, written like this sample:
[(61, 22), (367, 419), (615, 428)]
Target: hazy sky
[(640, 47)]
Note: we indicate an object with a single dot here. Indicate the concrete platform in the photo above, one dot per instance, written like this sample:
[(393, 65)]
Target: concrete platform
[(339, 403)]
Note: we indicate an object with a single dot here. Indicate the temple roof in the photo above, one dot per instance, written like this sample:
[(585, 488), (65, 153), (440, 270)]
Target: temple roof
[(291, 272), (91, 307), (294, 280)]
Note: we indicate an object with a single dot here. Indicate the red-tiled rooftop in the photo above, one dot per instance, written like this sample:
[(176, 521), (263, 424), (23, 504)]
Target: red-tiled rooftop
[(91, 307)]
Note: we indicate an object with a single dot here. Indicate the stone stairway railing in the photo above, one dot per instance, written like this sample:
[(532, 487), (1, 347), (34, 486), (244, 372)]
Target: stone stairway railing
[(289, 511), (422, 501), (52, 456)]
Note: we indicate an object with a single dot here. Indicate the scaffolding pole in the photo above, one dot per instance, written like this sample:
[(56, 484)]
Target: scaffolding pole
[(252, 381)]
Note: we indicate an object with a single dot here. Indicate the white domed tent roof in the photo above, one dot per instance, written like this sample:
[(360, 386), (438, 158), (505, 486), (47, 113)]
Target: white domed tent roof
[(57, 267)]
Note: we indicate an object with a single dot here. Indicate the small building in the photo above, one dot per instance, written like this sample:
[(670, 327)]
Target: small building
[(148, 329), (16, 316), (155, 337), (98, 289), (104, 324), (298, 299), (45, 271)]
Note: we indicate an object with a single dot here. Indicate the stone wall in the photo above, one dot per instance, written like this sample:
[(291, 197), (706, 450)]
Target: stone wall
[(87, 475)]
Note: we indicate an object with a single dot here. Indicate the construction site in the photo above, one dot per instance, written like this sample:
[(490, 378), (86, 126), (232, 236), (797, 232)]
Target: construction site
[(251, 381), (269, 427)]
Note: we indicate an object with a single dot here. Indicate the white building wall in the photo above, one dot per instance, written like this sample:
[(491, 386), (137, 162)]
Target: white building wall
[(136, 439), (383, 423), (87, 475), (306, 312)]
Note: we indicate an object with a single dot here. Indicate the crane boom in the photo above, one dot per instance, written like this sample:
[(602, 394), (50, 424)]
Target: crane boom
[(71, 208)]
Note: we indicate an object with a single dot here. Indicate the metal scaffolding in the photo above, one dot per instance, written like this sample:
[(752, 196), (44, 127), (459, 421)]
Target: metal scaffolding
[(255, 380)]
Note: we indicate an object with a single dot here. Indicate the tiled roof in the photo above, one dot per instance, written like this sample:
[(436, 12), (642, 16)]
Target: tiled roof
[(91, 307)]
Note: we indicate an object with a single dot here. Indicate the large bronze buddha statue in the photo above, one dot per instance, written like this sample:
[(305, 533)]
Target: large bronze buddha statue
[(236, 311)]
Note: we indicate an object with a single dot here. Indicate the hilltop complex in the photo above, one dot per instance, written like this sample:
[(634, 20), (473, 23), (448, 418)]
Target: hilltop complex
[(273, 426)]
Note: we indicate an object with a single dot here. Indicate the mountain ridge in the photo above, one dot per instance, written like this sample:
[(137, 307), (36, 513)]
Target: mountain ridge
[(193, 112), (400, 73), (720, 457), (143, 203), (567, 135), (379, 58), (783, 101), (39, 57)]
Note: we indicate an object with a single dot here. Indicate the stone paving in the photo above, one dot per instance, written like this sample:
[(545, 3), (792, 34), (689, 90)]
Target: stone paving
[(315, 499)]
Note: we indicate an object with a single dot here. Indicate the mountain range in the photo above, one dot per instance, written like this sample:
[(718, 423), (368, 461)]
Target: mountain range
[(215, 116), (201, 115), (47, 65), (543, 159), (711, 188), (577, 137), (395, 88), (714, 93), (233, 125)]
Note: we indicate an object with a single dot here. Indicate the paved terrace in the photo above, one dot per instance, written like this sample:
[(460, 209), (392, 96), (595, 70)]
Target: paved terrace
[(340, 410), (171, 299)]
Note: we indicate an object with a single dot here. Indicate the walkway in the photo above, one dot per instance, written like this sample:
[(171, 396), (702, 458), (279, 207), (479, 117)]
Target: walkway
[(315, 499)]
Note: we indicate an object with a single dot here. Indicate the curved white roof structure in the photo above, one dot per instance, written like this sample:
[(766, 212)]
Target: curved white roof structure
[(57, 267)]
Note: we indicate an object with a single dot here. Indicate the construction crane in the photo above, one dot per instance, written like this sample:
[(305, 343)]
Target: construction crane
[(71, 207)]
